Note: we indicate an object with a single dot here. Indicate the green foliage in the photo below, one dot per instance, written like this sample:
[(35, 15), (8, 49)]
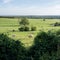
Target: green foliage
[(22, 28), (24, 21), (43, 19), (11, 49), (44, 48), (57, 24), (33, 28), (58, 32), (44, 43), (26, 28), (13, 30)]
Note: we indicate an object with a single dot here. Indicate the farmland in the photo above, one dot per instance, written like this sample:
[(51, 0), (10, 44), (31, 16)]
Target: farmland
[(7, 25)]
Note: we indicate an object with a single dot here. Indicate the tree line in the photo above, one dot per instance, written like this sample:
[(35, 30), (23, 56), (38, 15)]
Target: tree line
[(33, 17)]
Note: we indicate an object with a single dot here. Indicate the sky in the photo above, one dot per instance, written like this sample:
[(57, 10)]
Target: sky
[(29, 7)]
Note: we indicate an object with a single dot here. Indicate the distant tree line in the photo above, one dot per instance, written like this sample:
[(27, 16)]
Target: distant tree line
[(33, 17)]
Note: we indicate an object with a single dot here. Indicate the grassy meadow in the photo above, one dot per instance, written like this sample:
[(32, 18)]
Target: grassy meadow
[(7, 25)]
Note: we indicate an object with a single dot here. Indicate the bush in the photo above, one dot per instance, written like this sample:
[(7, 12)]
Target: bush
[(44, 43), (26, 28), (45, 47), (57, 24), (11, 49), (43, 19), (33, 28), (13, 30), (21, 28), (58, 32)]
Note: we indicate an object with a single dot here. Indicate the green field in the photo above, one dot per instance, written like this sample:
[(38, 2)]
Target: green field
[(7, 25)]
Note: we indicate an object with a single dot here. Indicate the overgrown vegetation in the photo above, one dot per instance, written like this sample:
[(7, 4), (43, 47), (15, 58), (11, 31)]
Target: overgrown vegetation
[(11, 49), (44, 19), (24, 21), (33, 28), (45, 47), (24, 28), (24, 25), (57, 24)]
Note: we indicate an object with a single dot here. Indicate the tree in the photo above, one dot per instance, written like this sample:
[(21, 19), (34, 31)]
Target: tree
[(57, 24), (24, 28), (24, 22), (44, 19), (45, 43), (11, 49), (33, 28)]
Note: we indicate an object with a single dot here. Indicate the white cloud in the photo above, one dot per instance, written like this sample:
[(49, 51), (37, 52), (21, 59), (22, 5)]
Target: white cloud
[(7, 1), (33, 10)]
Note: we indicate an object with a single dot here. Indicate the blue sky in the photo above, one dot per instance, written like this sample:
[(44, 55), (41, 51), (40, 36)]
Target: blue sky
[(29, 7)]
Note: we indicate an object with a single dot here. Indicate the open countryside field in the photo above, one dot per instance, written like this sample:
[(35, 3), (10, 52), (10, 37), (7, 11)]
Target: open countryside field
[(7, 25)]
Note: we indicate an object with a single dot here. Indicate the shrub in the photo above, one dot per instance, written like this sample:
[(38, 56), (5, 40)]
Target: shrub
[(43, 19), (21, 28), (33, 28), (11, 49), (44, 43), (45, 47), (13, 30), (58, 32), (57, 24), (26, 28)]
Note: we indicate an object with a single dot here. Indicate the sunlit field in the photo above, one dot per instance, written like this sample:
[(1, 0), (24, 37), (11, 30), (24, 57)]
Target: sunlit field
[(7, 25)]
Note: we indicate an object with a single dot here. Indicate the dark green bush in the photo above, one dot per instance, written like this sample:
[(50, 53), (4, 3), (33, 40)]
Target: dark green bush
[(44, 43), (33, 28), (58, 32), (57, 24), (26, 28), (11, 49), (13, 30), (22, 29), (44, 48), (43, 19)]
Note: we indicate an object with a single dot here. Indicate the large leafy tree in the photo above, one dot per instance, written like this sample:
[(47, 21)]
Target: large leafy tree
[(45, 46), (24, 22), (11, 49)]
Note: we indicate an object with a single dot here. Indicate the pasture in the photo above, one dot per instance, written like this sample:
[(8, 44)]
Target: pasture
[(7, 25)]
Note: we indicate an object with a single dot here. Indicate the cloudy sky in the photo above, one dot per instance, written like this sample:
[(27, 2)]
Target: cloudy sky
[(29, 7)]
